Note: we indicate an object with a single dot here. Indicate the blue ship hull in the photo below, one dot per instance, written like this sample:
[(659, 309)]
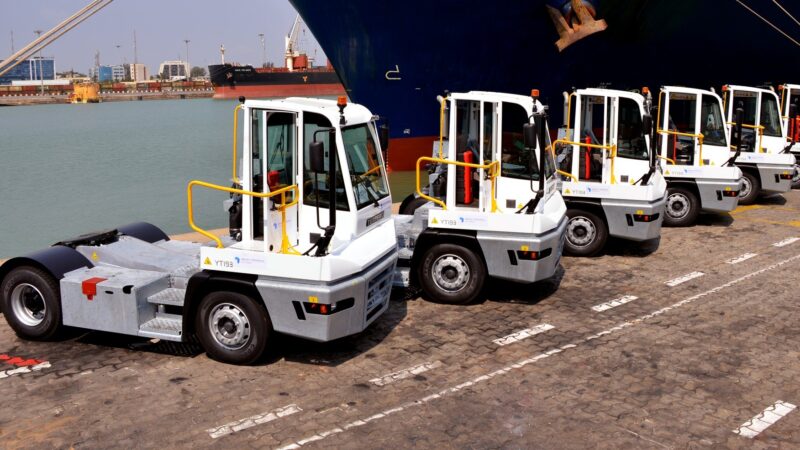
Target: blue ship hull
[(395, 57)]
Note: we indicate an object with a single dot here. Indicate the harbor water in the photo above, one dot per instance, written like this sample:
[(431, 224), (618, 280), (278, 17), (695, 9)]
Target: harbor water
[(70, 169)]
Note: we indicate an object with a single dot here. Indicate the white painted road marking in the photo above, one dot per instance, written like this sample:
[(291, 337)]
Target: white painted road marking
[(523, 334), (405, 373), (26, 369), (614, 303), (786, 242), (252, 421), (765, 419), (683, 279), (531, 360), (742, 258)]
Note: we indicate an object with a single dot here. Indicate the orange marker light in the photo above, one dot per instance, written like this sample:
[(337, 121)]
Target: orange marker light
[(645, 90), (725, 88), (341, 101), (534, 92)]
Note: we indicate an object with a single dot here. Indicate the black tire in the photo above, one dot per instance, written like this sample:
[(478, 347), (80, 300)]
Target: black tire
[(682, 208), (796, 177), (586, 233), (452, 274), (243, 328), (409, 208), (750, 189), (32, 303)]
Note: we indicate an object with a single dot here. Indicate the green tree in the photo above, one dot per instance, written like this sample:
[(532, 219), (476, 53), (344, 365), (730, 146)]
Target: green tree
[(198, 72)]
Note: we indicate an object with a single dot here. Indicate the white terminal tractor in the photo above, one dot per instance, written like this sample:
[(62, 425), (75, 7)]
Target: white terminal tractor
[(694, 149), (491, 205), (311, 253), (764, 157), (790, 107), (611, 183)]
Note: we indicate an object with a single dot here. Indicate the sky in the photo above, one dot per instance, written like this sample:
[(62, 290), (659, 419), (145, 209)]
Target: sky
[(161, 27)]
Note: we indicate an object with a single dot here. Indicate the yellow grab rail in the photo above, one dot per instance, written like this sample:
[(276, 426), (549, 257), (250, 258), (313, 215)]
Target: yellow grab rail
[(235, 132), (492, 167), (567, 174), (698, 136), (610, 148), (286, 248), (441, 126), (760, 129), (671, 161)]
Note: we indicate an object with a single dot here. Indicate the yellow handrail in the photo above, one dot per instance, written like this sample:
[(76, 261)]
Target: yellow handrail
[(235, 132), (760, 129), (671, 161), (569, 113), (286, 248), (698, 136), (610, 148), (493, 168), (567, 174)]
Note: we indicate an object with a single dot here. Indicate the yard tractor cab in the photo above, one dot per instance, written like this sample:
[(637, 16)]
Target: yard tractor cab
[(491, 206), (790, 108), (611, 185), (764, 159), (311, 251), (694, 149)]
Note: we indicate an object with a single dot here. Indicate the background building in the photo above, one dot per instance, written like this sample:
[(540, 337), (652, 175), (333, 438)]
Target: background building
[(32, 69), (173, 70), (135, 72)]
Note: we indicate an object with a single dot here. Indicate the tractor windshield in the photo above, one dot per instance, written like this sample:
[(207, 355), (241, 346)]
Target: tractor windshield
[(770, 115), (366, 168)]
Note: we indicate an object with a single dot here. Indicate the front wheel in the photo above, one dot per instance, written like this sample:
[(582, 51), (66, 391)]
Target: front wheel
[(750, 189), (32, 303), (232, 327), (682, 208), (586, 233), (452, 274)]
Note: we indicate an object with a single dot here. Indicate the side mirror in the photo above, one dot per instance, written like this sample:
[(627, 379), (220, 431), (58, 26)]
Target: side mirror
[(530, 133), (792, 123), (383, 136), (738, 122), (316, 155), (647, 124)]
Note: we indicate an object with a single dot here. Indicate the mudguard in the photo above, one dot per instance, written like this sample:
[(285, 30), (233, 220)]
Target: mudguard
[(57, 260), (204, 282), (144, 231)]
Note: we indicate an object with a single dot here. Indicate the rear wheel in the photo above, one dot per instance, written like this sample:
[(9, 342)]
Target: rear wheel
[(232, 327), (586, 233), (682, 208), (796, 177), (32, 303), (452, 274), (751, 186)]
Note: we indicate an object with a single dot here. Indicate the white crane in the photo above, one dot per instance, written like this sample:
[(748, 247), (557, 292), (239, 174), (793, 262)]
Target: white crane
[(293, 49)]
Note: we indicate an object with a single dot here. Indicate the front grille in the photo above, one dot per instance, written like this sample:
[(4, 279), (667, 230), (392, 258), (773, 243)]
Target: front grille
[(379, 289)]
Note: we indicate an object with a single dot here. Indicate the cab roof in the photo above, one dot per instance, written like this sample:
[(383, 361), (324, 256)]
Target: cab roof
[(353, 112)]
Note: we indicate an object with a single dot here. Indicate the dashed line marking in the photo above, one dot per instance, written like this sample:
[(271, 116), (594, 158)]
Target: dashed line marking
[(523, 334), (741, 258), (614, 303), (525, 362), (765, 419), (24, 369), (252, 421), (683, 279), (405, 373), (786, 242)]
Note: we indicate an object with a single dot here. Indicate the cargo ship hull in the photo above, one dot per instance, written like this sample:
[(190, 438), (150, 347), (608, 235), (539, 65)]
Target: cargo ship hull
[(234, 81), (396, 57)]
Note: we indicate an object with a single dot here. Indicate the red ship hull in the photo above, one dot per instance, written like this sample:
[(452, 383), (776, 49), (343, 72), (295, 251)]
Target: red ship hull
[(278, 90)]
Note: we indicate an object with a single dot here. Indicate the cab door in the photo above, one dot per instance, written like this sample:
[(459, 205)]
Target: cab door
[(519, 167), (274, 147)]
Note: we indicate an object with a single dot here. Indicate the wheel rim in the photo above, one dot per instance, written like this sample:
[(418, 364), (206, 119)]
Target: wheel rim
[(746, 187), (28, 305), (796, 175), (678, 206), (230, 326), (450, 273), (581, 231)]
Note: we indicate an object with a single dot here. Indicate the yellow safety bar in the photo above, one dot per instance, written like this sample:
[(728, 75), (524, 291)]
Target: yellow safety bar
[(569, 113), (286, 248), (610, 148), (698, 136), (669, 160), (567, 174), (760, 129), (492, 167), (235, 132), (441, 127)]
